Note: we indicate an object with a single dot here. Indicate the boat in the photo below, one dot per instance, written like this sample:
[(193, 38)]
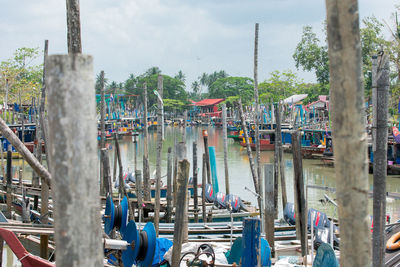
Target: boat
[(265, 145)]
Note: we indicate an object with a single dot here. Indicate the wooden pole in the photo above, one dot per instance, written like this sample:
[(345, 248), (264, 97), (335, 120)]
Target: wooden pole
[(276, 178), (205, 139), (74, 27), (75, 187), (106, 172), (203, 189), (24, 152), (102, 131), (9, 183), (146, 170), (179, 229), (195, 195), (169, 185), (380, 83), (175, 186), (6, 102), (278, 143), (225, 138), (349, 136), (159, 150), (269, 206), (251, 243), (299, 200), (184, 126), (45, 189), (246, 137), (139, 193)]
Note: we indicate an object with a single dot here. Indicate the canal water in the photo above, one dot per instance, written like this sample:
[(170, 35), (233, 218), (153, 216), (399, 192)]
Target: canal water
[(315, 173)]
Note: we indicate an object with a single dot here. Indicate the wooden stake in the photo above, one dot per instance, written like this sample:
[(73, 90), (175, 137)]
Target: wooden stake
[(74, 27), (195, 196), (9, 183), (146, 170), (269, 206), (102, 131), (139, 193), (179, 229), (225, 138), (300, 201), (169, 186), (184, 126), (106, 172), (75, 187), (159, 150), (252, 168), (278, 138), (349, 135), (205, 139), (276, 178), (380, 83), (174, 182), (203, 189)]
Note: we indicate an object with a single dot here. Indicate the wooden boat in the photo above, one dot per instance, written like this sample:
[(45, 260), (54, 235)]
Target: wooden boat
[(265, 145)]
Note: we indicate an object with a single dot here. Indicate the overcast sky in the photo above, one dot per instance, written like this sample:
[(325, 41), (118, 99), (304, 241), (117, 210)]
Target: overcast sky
[(195, 36)]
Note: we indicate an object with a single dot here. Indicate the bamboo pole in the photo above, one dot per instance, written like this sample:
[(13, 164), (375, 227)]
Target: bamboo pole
[(225, 138), (146, 170), (9, 183), (75, 187), (380, 83), (73, 27), (349, 136), (102, 132), (203, 189), (159, 150)]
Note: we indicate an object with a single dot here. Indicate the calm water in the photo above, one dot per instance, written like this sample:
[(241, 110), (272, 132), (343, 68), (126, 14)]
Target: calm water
[(239, 170)]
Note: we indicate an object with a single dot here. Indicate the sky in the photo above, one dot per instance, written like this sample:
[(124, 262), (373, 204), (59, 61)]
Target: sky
[(195, 36)]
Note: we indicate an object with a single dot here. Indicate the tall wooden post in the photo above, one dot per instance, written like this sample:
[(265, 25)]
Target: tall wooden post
[(174, 181), (278, 142), (146, 170), (75, 185), (102, 130), (139, 194), (169, 185), (276, 178), (184, 126), (269, 206), (246, 138), (73, 27), (349, 136), (45, 190), (203, 189), (179, 229), (205, 139), (380, 83), (225, 138), (5, 117), (251, 243), (9, 183), (106, 172), (159, 150), (299, 197), (195, 193)]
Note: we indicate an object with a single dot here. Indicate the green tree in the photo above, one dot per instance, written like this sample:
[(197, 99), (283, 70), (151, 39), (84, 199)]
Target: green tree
[(233, 86), (98, 85), (180, 76)]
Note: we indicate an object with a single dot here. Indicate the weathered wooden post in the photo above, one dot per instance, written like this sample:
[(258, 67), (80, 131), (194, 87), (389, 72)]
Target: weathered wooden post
[(174, 182), (146, 170), (203, 189), (139, 194), (159, 150), (75, 186), (184, 126), (169, 185), (179, 228), (225, 138), (9, 182), (205, 139), (299, 197), (5, 103), (276, 177), (278, 138), (106, 172), (380, 84), (250, 156), (195, 193), (349, 135), (73, 27), (102, 131), (269, 206), (251, 242)]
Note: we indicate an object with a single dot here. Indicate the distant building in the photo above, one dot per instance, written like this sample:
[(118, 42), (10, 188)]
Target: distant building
[(208, 107)]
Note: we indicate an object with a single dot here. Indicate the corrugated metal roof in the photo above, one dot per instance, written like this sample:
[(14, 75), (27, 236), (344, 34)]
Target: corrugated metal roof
[(209, 102)]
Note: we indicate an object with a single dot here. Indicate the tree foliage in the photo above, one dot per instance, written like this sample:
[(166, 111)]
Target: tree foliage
[(232, 86)]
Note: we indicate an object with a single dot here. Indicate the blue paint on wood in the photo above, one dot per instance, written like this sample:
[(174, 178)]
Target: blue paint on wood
[(213, 165), (251, 242)]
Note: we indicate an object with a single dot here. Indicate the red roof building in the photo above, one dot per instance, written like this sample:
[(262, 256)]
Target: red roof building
[(209, 107)]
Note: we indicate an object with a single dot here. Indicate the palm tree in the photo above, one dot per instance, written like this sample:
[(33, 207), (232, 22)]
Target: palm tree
[(196, 87), (180, 76), (152, 71)]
